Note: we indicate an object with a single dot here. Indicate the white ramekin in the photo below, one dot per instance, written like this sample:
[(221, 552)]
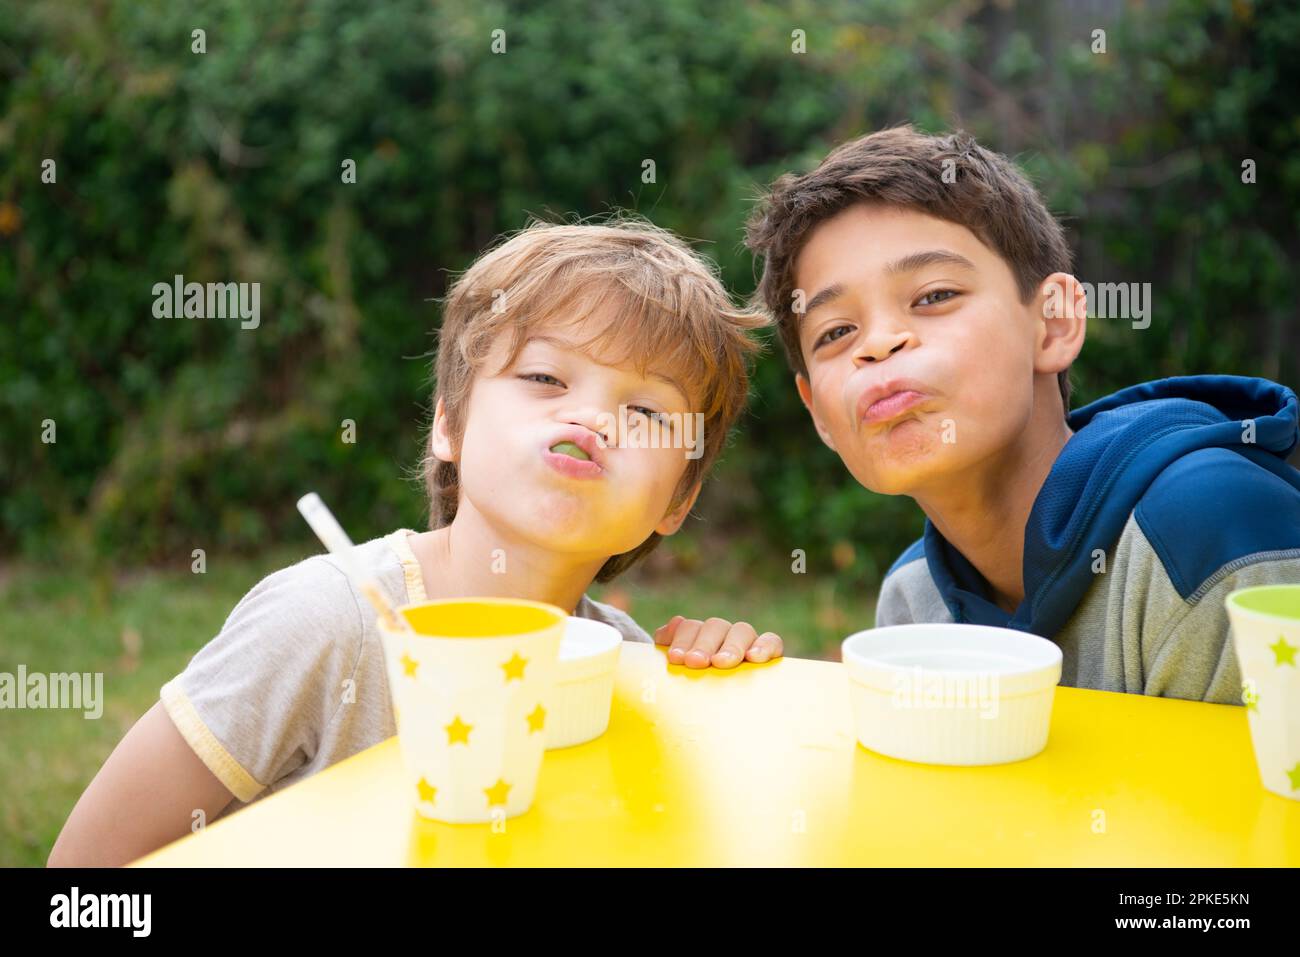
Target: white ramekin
[(952, 694), (584, 685)]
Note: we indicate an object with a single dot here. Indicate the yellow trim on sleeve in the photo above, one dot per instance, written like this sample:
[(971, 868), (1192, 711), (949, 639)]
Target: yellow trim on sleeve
[(410, 566), (205, 744)]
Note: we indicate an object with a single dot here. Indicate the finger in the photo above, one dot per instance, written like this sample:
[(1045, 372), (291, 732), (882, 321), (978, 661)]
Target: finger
[(683, 638), (768, 646), (709, 640), (664, 634), (739, 639)]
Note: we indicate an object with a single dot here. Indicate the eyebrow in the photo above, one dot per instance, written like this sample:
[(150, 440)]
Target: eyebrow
[(566, 346), (909, 263)]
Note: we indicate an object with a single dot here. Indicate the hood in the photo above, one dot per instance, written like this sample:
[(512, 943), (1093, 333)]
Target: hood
[(1121, 444)]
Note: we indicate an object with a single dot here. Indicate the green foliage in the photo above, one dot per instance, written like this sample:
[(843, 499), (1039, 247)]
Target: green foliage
[(225, 165)]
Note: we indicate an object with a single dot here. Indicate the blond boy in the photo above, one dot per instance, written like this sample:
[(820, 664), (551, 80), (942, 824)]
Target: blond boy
[(587, 377)]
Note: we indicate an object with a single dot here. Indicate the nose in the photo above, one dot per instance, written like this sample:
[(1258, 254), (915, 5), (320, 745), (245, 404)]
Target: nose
[(883, 339), (590, 417)]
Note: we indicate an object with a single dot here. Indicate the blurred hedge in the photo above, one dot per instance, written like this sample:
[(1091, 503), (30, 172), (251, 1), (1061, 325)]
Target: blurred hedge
[(225, 165)]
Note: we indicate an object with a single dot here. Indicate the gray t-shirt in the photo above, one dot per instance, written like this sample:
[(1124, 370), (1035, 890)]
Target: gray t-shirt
[(295, 681)]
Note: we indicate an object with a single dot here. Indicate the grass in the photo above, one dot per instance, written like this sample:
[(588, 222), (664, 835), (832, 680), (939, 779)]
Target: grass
[(140, 628)]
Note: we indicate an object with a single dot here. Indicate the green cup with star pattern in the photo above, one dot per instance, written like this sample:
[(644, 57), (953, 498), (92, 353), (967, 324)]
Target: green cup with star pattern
[(1266, 634)]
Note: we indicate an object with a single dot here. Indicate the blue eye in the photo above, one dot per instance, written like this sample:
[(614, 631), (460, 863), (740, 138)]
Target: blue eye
[(828, 335)]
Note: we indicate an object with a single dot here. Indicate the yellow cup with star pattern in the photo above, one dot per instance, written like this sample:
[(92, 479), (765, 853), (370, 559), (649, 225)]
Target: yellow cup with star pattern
[(1266, 634), (471, 685)]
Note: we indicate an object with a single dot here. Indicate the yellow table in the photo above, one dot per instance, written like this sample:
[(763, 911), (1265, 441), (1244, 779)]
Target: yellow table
[(760, 766)]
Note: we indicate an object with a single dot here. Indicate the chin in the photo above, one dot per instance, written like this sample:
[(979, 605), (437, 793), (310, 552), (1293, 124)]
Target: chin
[(891, 484), (570, 524), (885, 472)]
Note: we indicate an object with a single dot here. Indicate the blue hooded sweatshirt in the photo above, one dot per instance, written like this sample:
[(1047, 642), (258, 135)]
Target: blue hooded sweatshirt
[(1169, 495)]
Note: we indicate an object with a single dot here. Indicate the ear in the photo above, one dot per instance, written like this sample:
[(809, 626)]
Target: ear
[(440, 443), (673, 520), (805, 394), (1062, 306)]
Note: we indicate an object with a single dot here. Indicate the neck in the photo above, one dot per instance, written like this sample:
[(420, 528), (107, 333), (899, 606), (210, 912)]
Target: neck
[(984, 511), (471, 559)]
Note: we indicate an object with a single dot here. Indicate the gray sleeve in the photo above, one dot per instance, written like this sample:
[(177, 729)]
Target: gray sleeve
[(909, 595), (891, 606), (1192, 655), (253, 701), (621, 620)]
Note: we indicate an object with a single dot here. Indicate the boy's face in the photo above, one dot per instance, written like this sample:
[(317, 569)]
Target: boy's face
[(922, 361), (531, 458)]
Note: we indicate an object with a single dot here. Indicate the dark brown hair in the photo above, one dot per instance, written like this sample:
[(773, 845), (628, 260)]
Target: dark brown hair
[(988, 194)]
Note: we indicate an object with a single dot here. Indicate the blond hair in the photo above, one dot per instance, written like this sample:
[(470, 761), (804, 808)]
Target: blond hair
[(669, 310)]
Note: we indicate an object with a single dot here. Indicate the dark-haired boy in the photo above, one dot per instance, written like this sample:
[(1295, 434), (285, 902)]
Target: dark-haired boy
[(924, 299)]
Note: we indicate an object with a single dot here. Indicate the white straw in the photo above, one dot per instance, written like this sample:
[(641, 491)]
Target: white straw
[(332, 536)]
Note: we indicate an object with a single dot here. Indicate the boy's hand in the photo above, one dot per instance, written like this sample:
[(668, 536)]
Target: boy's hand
[(717, 642)]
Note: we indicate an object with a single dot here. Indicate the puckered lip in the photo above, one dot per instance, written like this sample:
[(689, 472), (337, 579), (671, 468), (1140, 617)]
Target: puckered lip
[(908, 391), (584, 439)]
